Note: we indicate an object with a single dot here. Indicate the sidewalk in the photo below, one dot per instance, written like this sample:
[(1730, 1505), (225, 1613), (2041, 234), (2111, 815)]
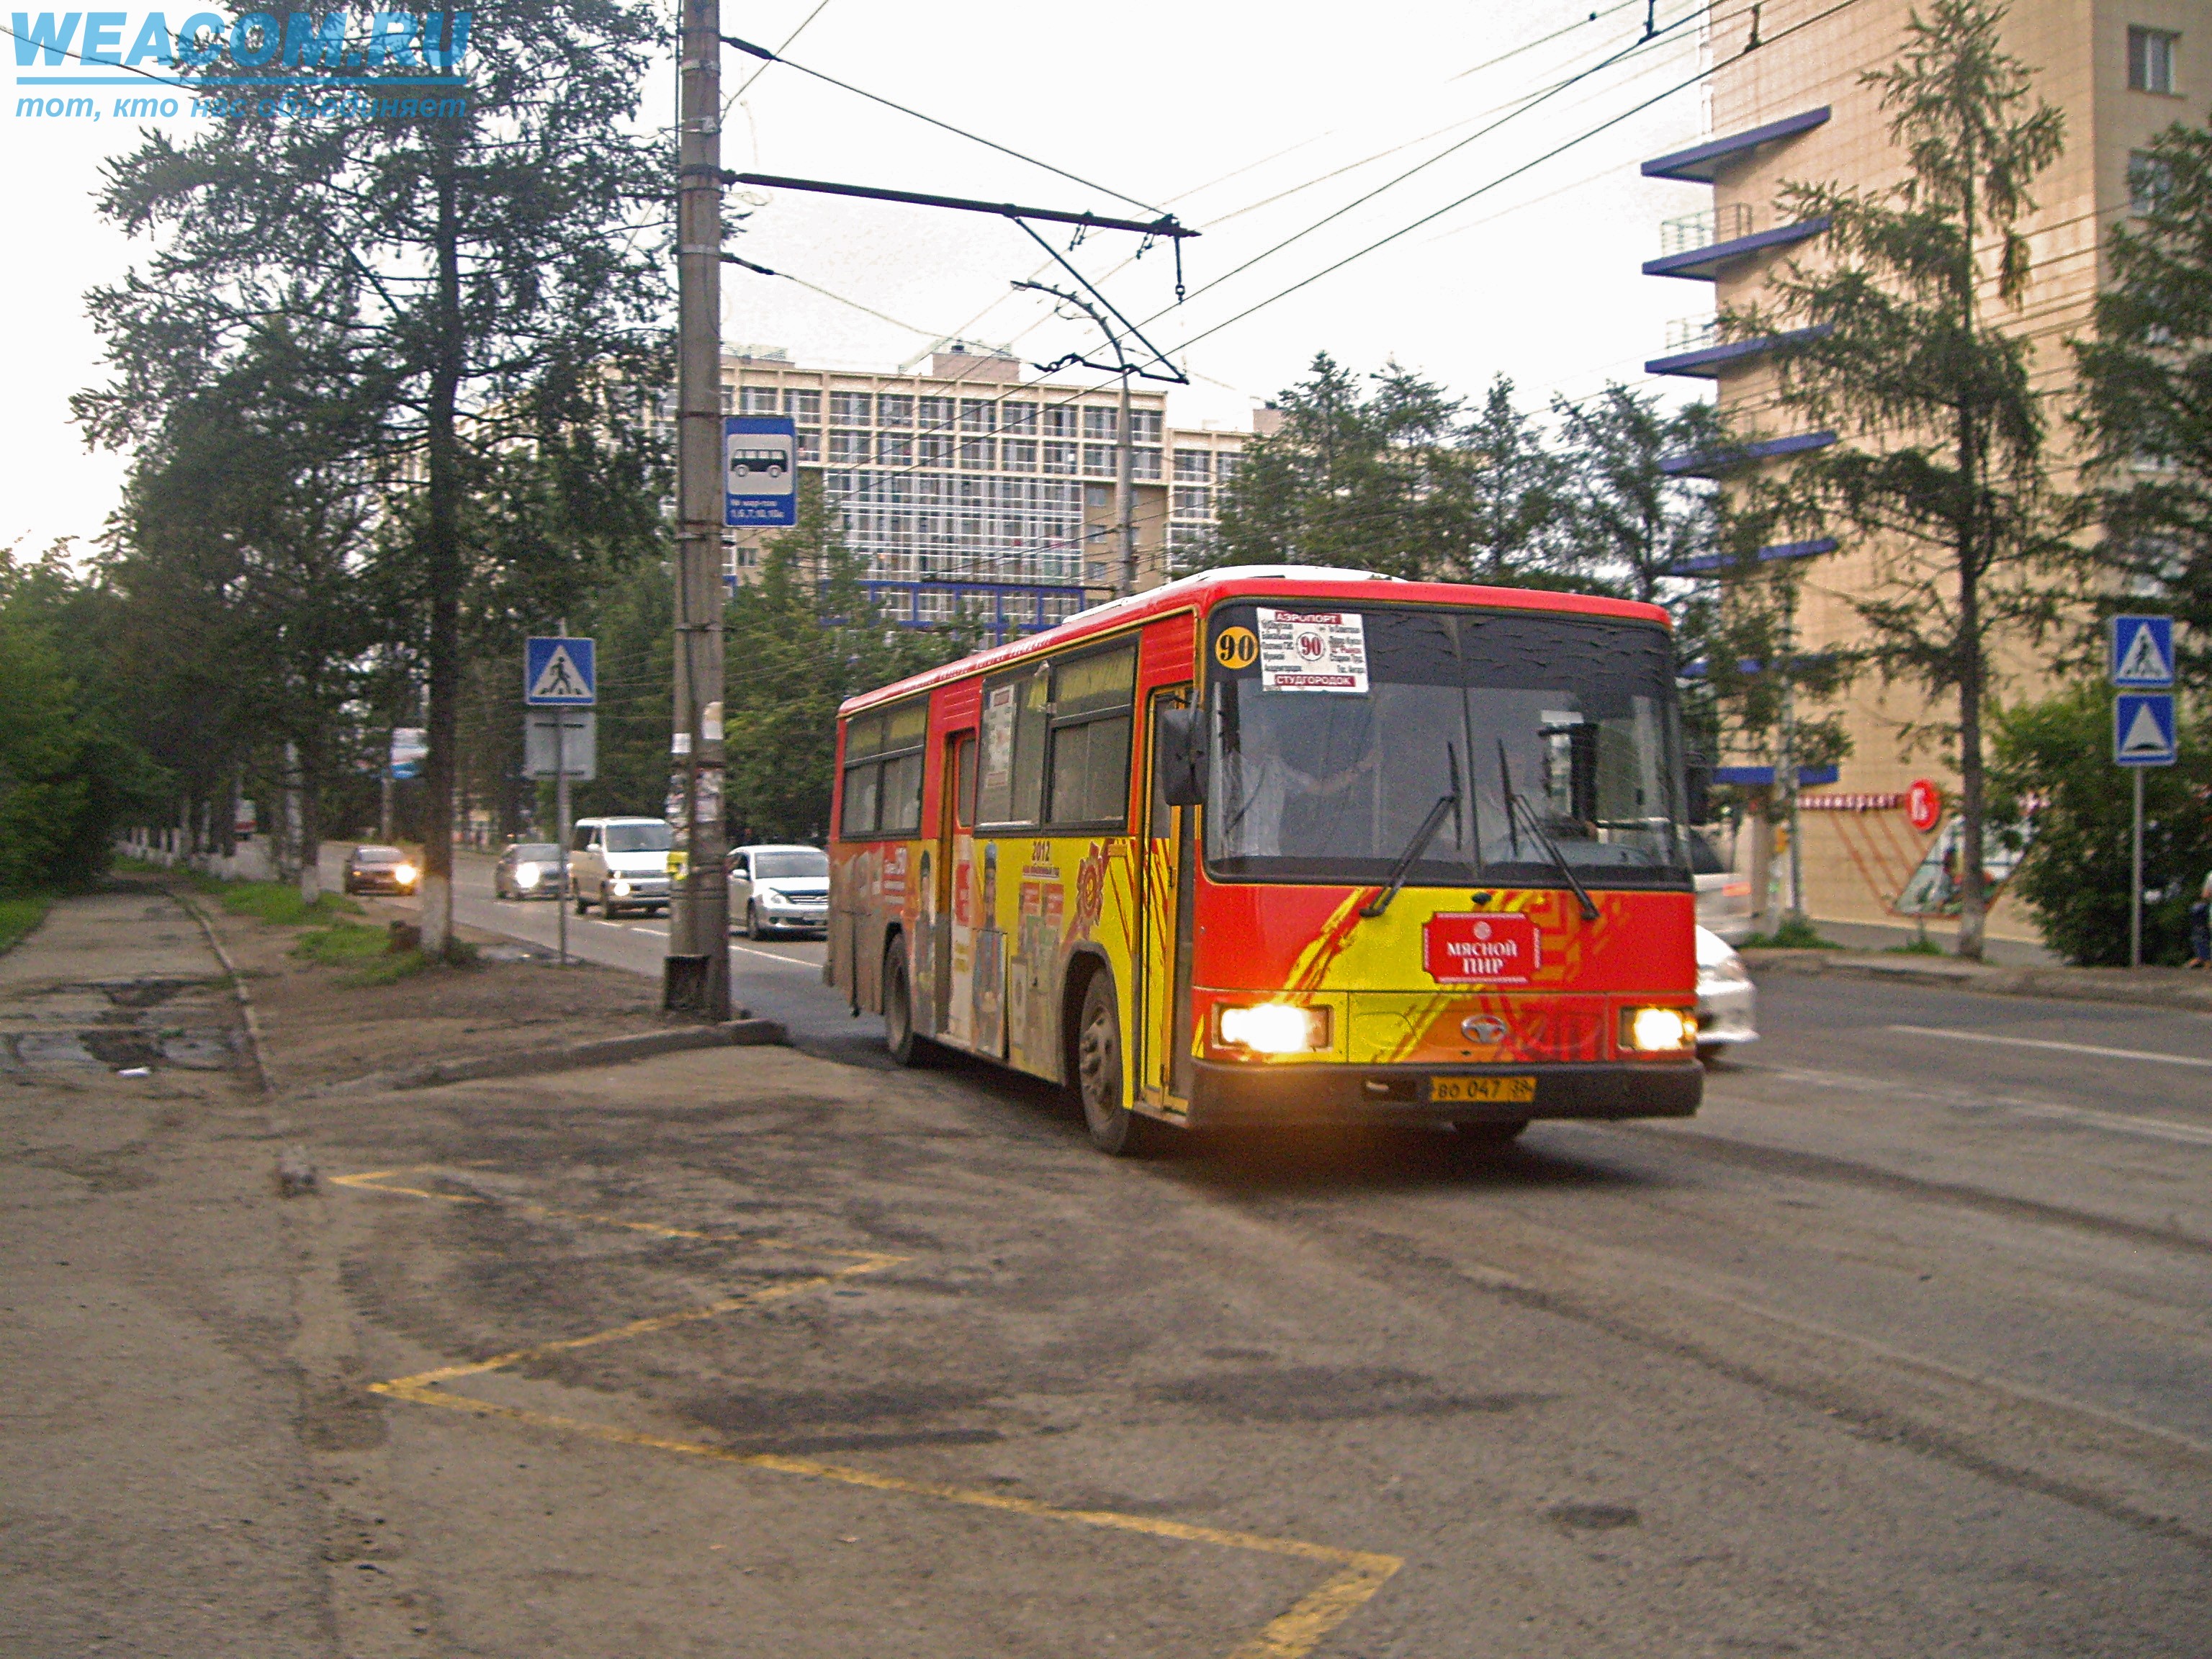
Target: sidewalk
[(2156, 987)]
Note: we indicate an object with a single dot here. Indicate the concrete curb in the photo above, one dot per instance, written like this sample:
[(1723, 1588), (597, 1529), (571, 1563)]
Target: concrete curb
[(2149, 988), (568, 1057)]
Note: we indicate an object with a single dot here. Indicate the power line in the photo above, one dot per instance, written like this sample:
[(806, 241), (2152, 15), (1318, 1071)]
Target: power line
[(817, 11), (768, 57)]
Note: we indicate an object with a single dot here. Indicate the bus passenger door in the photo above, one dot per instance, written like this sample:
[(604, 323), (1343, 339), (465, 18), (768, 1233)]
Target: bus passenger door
[(1163, 933), (950, 853), (955, 887)]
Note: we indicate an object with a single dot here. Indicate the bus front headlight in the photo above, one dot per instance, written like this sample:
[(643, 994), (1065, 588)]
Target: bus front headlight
[(1658, 1031), (1273, 1028)]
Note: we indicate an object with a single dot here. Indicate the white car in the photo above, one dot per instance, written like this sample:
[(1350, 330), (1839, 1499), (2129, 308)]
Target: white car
[(619, 864), (774, 888), (1723, 895), (1727, 999)]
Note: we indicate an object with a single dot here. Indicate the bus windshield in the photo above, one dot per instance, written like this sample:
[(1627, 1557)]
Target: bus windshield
[(1553, 739)]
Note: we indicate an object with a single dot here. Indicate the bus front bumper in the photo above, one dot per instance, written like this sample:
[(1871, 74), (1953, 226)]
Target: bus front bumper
[(1246, 1097)]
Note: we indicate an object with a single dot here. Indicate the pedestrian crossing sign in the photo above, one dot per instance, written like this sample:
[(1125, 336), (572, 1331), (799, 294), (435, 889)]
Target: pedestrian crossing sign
[(2143, 728), (2142, 652), (560, 673)]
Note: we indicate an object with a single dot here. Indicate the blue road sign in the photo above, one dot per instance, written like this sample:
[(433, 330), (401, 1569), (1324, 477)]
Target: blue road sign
[(2143, 728), (560, 673), (760, 470), (2142, 652)]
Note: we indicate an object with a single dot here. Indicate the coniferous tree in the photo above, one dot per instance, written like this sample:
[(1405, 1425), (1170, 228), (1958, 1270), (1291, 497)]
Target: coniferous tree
[(1941, 472)]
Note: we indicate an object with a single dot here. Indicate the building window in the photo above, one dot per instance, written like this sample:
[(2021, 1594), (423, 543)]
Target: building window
[(1225, 465), (1099, 458), (804, 407), (849, 448), (1020, 455), (895, 410), (976, 414), (935, 414), (756, 400), (977, 454), (1147, 464), (2150, 60), (2149, 178), (898, 604), (1059, 422), (729, 396), (1103, 424), (809, 444), (1144, 426), (936, 450), (895, 451), (1018, 418), (1098, 497), (849, 408), (933, 605), (1193, 466), (1059, 458), (1191, 502)]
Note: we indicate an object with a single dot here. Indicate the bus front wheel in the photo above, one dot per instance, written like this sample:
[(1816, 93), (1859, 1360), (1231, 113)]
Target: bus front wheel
[(898, 1007), (1115, 1129)]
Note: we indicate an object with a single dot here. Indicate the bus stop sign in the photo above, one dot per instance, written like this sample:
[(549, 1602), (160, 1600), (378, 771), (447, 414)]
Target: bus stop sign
[(760, 470)]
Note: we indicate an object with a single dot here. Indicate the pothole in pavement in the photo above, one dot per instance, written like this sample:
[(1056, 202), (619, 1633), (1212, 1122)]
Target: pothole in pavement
[(136, 1028)]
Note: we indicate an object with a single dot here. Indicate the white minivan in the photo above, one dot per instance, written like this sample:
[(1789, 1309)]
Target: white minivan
[(619, 864)]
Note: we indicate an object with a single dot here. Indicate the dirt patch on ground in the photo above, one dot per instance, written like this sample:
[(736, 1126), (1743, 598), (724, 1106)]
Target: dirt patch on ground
[(321, 1025)]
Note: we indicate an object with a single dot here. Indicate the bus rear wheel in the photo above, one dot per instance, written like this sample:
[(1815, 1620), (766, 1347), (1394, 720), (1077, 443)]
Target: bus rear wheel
[(1115, 1129)]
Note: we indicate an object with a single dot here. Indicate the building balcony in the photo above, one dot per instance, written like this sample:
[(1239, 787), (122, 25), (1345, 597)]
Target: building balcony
[(1692, 352), (1719, 463), (1762, 777), (1704, 262), (1713, 562), (1701, 164)]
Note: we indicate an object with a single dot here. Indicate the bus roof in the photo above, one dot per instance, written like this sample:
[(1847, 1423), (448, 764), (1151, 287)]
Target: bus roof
[(1209, 587)]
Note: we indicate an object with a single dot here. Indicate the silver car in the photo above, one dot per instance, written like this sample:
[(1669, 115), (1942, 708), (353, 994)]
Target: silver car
[(776, 888), (619, 864), (1723, 895), (1727, 999)]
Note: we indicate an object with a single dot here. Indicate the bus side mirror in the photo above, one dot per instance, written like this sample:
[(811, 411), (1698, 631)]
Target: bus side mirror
[(1697, 789), (1179, 753)]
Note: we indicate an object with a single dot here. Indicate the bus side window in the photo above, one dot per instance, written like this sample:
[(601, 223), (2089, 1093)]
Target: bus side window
[(964, 796)]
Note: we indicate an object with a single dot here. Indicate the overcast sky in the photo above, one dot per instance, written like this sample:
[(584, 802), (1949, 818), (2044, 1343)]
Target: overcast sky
[(1250, 122)]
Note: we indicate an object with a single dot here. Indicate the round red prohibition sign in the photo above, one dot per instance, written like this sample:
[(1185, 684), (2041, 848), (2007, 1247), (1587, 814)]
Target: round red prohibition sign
[(1924, 804)]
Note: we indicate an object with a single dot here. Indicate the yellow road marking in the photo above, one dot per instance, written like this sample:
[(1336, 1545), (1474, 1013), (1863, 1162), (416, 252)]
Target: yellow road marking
[(1290, 1635)]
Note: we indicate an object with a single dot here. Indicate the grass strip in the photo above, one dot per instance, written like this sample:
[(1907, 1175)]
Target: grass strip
[(20, 914), (368, 951)]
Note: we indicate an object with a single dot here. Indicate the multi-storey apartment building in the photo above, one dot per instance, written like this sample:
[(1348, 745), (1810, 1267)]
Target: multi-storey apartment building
[(968, 491), (1795, 108)]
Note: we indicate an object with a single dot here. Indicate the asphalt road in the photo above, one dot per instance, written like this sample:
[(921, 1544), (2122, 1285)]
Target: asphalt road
[(1901, 1348)]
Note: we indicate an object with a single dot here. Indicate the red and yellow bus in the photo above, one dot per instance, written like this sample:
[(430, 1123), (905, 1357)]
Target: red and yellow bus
[(1279, 844)]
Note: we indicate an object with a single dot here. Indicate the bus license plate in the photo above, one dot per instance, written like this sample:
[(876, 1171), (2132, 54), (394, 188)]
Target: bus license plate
[(1495, 1090)]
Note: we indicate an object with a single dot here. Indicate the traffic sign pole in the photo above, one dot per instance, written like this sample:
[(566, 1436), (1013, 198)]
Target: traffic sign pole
[(561, 818), (2135, 881)]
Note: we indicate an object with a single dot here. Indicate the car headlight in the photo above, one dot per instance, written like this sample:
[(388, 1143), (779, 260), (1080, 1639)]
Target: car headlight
[(1658, 1031), (1728, 972), (525, 875), (403, 874), (621, 888), (1273, 1028)]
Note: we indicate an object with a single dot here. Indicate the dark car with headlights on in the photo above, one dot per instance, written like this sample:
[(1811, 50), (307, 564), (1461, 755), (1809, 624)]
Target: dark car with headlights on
[(380, 869), (528, 869)]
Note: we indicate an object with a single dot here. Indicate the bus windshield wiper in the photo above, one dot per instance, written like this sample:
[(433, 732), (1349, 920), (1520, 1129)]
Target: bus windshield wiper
[(1422, 837), (1518, 805)]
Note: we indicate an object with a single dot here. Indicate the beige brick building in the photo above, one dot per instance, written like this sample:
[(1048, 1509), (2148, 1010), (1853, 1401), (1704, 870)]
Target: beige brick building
[(1793, 109), (970, 491)]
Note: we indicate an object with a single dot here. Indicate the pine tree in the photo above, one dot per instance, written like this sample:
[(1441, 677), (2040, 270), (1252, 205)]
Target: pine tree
[(1942, 471)]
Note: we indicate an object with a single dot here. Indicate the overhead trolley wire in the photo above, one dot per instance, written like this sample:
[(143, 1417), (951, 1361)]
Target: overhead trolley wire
[(768, 57)]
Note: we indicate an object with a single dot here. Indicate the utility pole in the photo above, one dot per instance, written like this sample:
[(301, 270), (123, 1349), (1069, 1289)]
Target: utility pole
[(696, 974)]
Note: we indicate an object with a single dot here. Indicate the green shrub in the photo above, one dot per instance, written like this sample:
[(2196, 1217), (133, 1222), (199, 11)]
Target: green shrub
[(1794, 934), (2057, 756), (1919, 945)]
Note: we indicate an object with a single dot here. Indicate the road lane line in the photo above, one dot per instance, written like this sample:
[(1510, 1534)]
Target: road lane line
[(2062, 1047), (1291, 1634), (2126, 1123), (771, 956)]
